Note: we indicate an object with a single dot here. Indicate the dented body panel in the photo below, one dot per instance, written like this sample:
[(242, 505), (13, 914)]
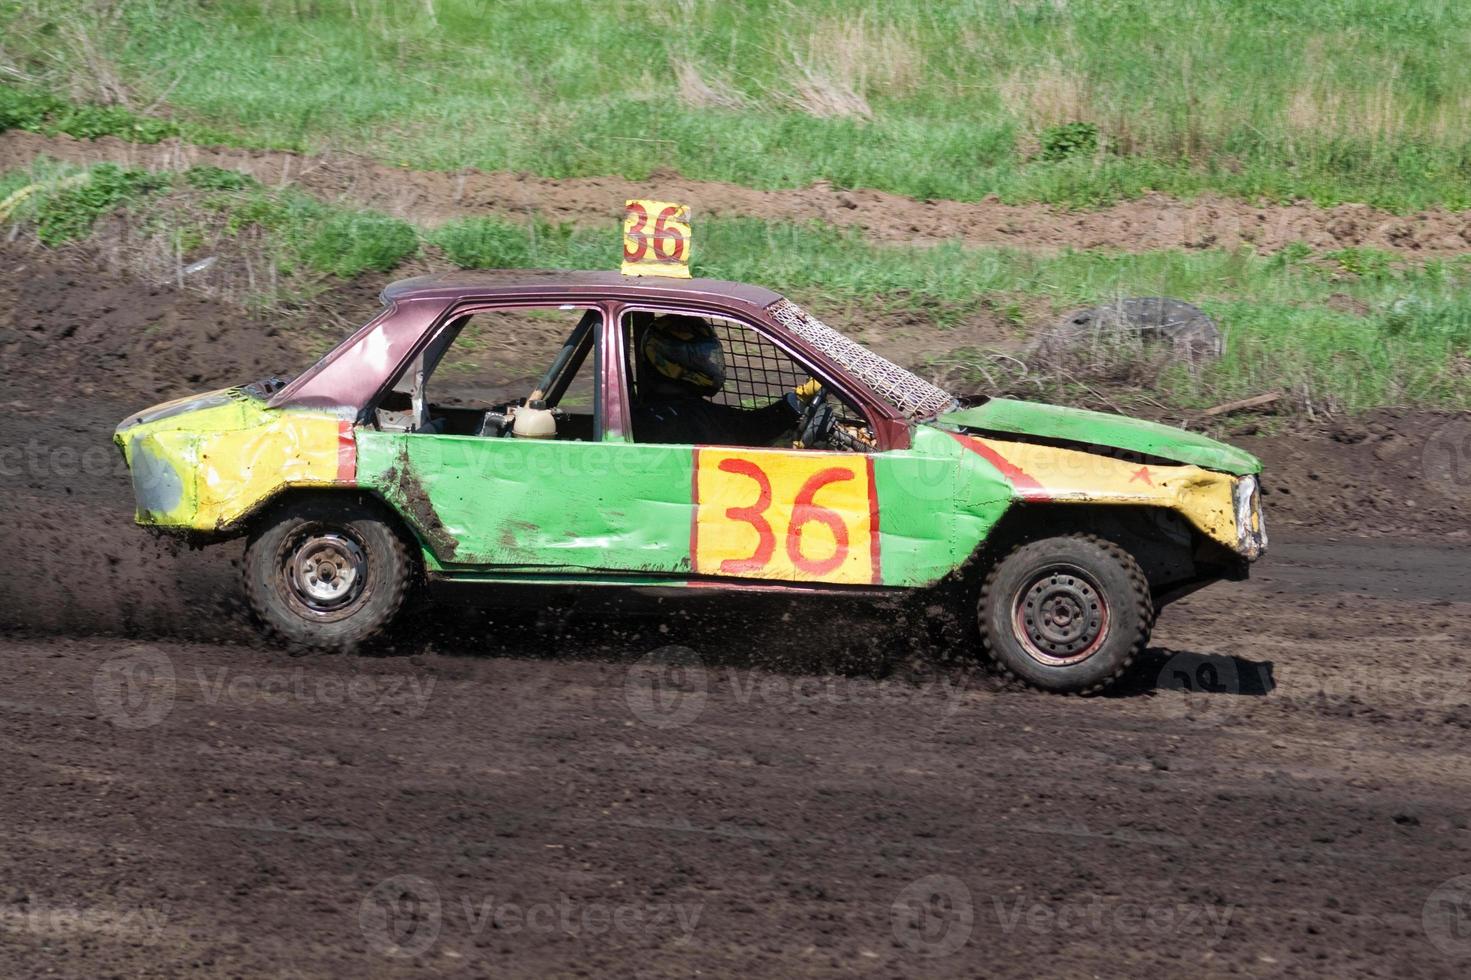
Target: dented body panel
[(205, 464), (1002, 416), (1046, 474), (906, 515), (523, 503)]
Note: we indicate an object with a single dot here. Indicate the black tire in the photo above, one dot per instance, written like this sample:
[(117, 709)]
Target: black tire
[(1066, 614), (325, 573)]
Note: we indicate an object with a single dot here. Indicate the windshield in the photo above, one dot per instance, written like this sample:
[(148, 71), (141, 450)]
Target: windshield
[(908, 392)]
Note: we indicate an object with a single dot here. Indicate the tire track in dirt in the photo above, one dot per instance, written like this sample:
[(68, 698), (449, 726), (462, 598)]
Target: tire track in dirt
[(1153, 222)]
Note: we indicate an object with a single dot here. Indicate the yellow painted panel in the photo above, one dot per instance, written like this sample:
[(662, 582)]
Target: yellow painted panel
[(792, 516), (208, 468), (237, 470), (1047, 473)]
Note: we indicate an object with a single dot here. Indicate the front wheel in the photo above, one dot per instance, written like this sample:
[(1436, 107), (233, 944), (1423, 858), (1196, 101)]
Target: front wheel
[(1066, 614), (326, 574)]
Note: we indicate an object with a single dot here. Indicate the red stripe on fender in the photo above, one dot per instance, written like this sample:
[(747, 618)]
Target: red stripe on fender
[(1026, 485), (347, 453), (873, 523)]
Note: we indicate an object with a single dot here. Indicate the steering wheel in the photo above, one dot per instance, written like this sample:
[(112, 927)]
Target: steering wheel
[(817, 422)]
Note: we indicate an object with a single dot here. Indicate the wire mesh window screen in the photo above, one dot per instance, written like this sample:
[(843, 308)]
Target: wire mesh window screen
[(905, 390), (757, 372)]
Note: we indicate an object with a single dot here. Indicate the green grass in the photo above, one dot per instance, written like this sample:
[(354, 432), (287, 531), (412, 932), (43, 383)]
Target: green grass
[(41, 112), (67, 211), (1412, 351), (1346, 330), (1071, 102), (476, 243), (349, 243), (203, 208)]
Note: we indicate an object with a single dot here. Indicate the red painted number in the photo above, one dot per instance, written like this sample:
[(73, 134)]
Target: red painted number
[(754, 516), (665, 235), (637, 234), (669, 242), (804, 512)]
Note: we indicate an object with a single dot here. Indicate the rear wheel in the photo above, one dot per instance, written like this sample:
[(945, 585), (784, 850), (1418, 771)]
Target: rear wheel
[(326, 574), (1066, 614)]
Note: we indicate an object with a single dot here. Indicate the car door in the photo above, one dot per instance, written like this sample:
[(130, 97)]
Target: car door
[(770, 513)]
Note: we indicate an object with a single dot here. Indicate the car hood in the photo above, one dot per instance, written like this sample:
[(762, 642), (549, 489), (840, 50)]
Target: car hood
[(1004, 416), (175, 408)]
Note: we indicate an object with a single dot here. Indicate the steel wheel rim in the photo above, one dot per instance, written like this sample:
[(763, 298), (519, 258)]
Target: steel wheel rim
[(1060, 616), (325, 572)]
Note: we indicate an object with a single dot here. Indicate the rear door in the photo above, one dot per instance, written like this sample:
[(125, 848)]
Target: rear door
[(491, 503)]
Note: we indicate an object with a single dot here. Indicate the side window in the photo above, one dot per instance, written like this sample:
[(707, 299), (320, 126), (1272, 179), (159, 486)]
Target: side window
[(716, 381), (478, 371)]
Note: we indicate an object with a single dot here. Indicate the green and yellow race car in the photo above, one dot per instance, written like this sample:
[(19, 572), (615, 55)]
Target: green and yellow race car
[(691, 434)]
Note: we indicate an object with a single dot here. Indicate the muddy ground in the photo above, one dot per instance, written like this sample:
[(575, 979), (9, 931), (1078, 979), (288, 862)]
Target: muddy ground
[(738, 791), (431, 197)]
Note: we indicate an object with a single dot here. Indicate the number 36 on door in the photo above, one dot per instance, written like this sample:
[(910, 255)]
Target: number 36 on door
[(794, 516)]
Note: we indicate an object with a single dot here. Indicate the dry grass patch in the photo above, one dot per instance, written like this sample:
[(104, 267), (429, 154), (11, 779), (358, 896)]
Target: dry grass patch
[(80, 38), (1382, 113), (1321, 106), (1049, 95), (700, 91), (1317, 109), (844, 62)]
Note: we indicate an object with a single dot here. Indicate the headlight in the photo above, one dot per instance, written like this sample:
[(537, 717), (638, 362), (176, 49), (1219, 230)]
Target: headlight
[(1251, 526)]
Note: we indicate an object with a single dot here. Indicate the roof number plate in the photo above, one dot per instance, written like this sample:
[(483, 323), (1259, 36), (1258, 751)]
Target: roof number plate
[(656, 239)]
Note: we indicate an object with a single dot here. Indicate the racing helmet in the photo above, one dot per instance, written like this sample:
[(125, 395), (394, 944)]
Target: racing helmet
[(685, 350)]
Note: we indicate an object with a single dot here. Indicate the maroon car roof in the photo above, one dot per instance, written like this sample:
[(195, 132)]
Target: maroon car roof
[(348, 377), (512, 282)]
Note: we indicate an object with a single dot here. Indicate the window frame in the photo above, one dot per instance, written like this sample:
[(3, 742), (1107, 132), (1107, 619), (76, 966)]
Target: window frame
[(470, 308), (617, 363)]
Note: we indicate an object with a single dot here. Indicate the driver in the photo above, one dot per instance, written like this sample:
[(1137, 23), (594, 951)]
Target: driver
[(683, 366)]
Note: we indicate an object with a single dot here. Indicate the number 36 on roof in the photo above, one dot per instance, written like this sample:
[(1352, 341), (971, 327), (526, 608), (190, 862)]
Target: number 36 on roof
[(656, 239)]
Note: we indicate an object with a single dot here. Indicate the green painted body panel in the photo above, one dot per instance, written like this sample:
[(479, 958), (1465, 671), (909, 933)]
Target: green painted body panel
[(1004, 415), (488, 506), (525, 503), (937, 503)]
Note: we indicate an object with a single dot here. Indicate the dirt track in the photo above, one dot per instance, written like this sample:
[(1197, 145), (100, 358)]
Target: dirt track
[(745, 822), (431, 197), (543, 793)]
